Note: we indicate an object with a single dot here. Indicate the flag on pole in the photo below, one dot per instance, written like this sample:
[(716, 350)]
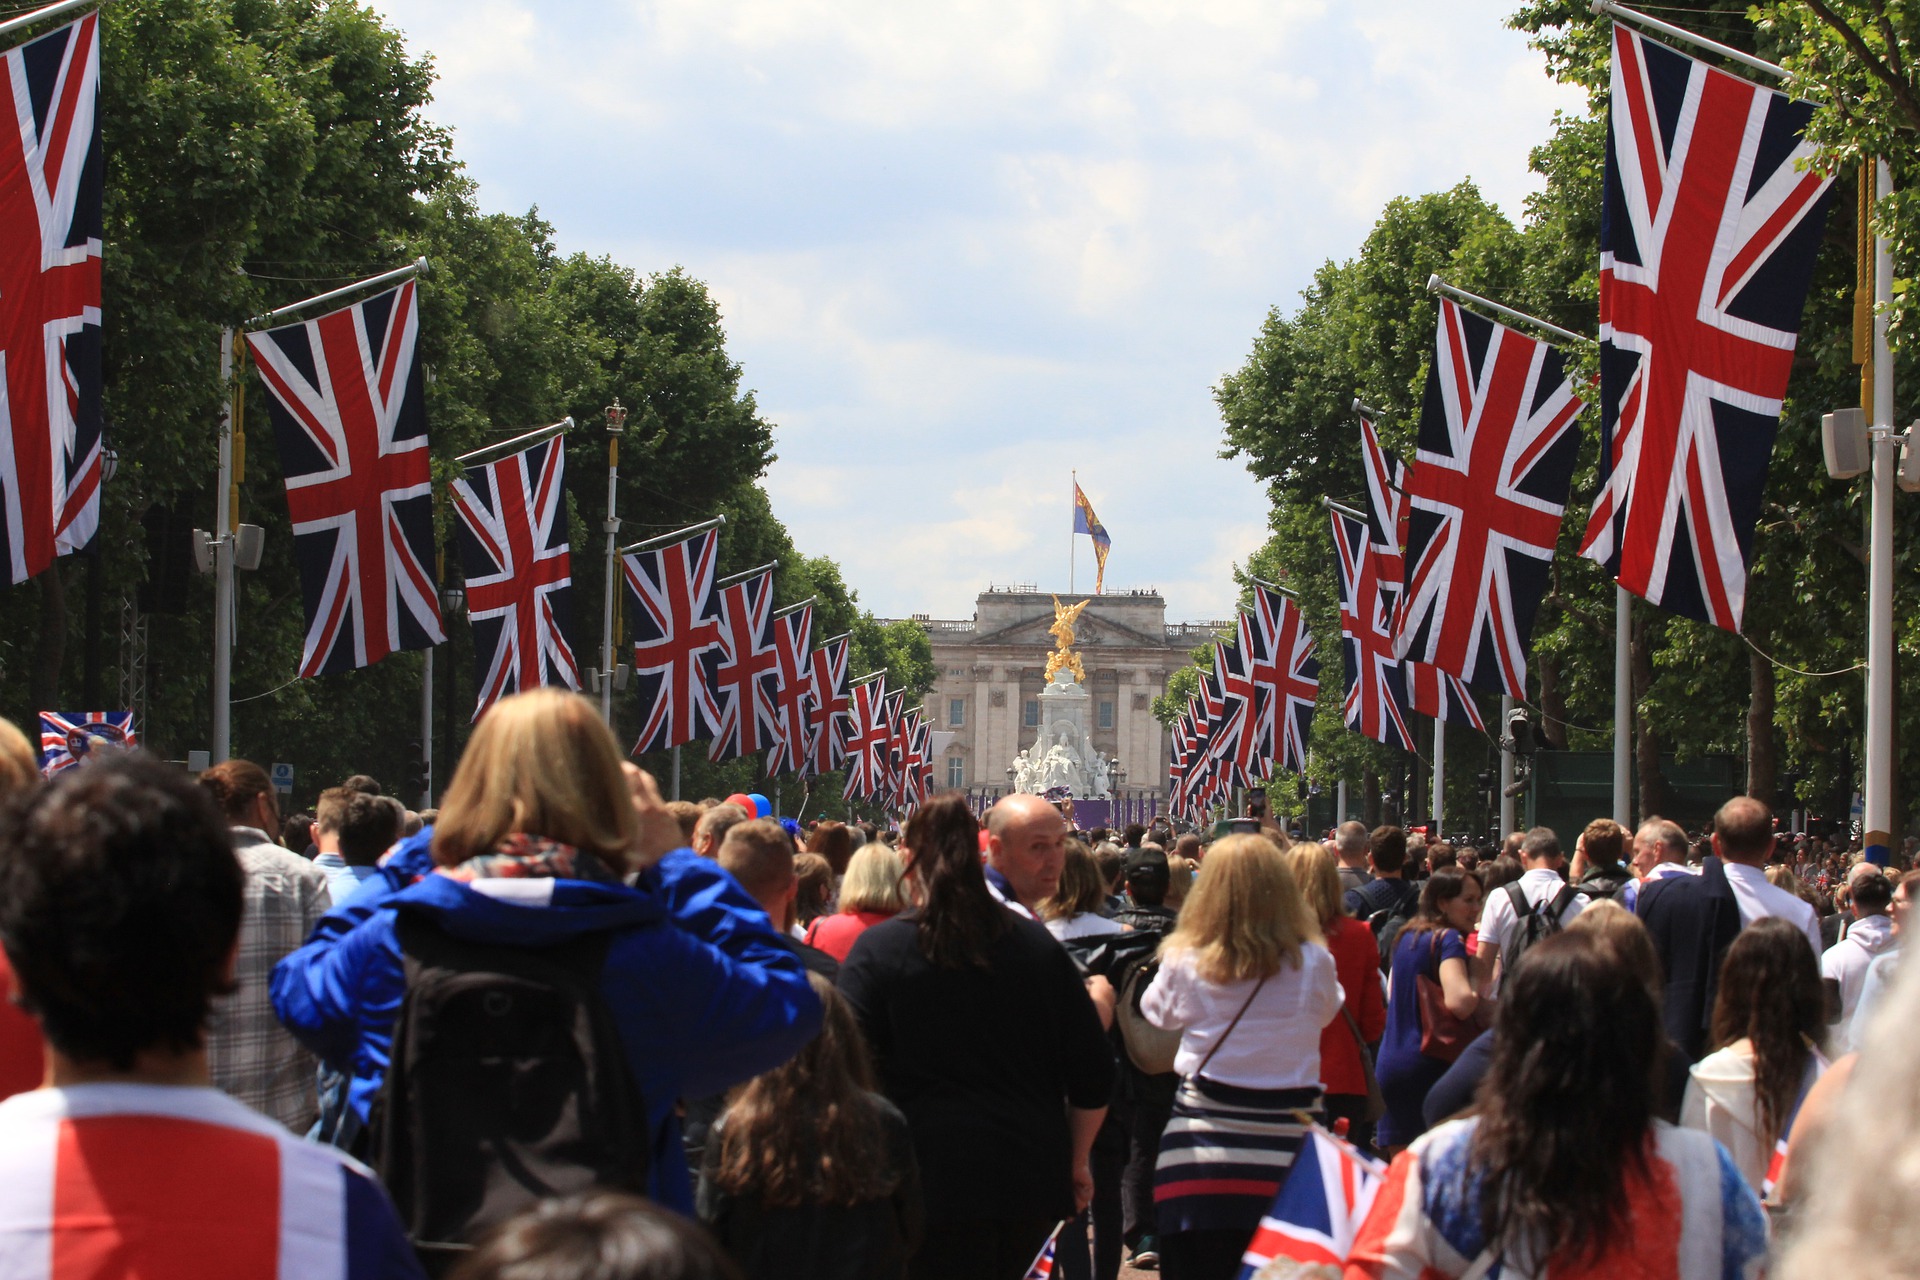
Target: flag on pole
[(792, 686), (829, 704), (68, 738), (50, 185), (1042, 1267), (742, 678), (1708, 233), (867, 742), (1281, 660), (1376, 697), (349, 416), (514, 550), (676, 639), (1084, 521)]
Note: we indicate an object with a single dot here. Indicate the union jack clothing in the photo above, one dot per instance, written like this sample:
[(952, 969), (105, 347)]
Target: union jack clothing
[(165, 1180), (1376, 689), (746, 666), (828, 704), (349, 417), (676, 639), (50, 184), (792, 649), (1313, 1221), (1707, 241), (69, 737), (513, 546), (1691, 1217), (1484, 497), (1282, 665)]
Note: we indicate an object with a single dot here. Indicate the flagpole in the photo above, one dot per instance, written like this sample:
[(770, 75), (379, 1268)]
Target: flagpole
[(223, 564), (1436, 285), (426, 727), (12, 25), (1877, 785), (1073, 543), (1623, 706), (415, 268), (1506, 770), (528, 438), (1439, 773), (616, 423)]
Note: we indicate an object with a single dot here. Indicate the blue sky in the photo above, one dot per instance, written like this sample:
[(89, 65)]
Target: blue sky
[(964, 248)]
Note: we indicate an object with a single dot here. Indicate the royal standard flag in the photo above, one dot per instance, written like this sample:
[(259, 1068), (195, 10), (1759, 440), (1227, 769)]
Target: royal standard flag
[(1084, 521)]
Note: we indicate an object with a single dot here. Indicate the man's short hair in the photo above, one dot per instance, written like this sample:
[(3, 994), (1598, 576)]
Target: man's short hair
[(1134, 834), (1744, 827), (1351, 839), (1667, 835), (758, 854), (1388, 848), (120, 900), (1188, 846), (1873, 893), (687, 814), (1605, 842), (714, 824), (1511, 845), (367, 825), (1540, 842), (362, 782)]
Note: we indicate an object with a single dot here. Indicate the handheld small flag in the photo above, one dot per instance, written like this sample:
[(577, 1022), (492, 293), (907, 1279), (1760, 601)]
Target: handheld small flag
[(1084, 521), (68, 738), (1318, 1211), (1042, 1267)]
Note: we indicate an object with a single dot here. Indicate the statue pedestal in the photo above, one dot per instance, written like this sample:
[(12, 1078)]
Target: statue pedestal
[(1062, 754)]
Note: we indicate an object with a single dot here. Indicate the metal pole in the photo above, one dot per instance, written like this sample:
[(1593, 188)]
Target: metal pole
[(1439, 777), (426, 728), (676, 774), (1612, 10), (1073, 541), (1436, 285), (417, 267), (1623, 706), (1340, 802), (1506, 772), (38, 15), (1878, 786), (223, 564), (612, 527)]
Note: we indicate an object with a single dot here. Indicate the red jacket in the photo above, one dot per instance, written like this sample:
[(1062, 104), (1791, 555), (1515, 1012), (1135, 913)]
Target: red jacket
[(1356, 958)]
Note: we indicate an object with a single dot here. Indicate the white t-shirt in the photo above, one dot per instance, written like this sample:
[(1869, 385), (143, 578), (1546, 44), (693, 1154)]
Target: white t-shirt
[(1759, 899), (1499, 924), (1088, 924), (1277, 1043)]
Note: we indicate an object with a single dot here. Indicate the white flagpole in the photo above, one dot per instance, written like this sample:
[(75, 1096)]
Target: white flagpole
[(1877, 786), (1623, 706), (1439, 773), (1073, 541), (223, 564), (1506, 772)]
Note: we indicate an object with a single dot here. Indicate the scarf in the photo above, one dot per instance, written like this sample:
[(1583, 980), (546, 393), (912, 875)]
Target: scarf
[(521, 856)]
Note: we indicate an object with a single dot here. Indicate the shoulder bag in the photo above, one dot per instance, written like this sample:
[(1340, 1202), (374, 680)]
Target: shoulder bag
[(1443, 1035)]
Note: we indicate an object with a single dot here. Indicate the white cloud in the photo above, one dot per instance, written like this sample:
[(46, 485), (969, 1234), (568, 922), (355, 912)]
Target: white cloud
[(963, 248)]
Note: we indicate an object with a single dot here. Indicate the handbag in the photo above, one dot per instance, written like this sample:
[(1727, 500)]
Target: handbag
[(1443, 1035), (1376, 1100)]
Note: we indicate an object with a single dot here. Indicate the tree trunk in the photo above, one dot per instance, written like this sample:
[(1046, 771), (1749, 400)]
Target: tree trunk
[(1761, 760), (52, 647), (1553, 703), (1653, 784)]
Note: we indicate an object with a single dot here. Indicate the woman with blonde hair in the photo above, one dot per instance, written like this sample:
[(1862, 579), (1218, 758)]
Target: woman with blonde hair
[(870, 893), (1246, 980), (1346, 1063), (682, 978), (1180, 873), (1074, 909)]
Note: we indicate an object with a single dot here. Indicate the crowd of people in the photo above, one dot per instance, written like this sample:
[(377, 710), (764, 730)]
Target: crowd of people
[(561, 1029)]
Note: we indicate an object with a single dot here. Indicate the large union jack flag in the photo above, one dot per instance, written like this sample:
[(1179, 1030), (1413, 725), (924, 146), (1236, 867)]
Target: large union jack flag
[(1284, 670), (867, 742), (1485, 496), (1235, 741), (1707, 241), (1318, 1211), (676, 638), (1376, 689), (792, 650), (829, 703), (349, 417), (50, 184), (513, 546), (68, 738), (1386, 513), (742, 679)]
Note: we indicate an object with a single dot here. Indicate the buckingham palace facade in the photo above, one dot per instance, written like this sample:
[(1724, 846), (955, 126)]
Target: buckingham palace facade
[(989, 672)]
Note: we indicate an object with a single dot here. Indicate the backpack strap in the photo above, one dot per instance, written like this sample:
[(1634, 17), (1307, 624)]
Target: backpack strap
[(1521, 907), (1561, 901)]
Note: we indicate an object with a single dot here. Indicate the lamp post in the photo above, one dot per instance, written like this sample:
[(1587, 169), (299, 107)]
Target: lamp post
[(1114, 774), (616, 424)]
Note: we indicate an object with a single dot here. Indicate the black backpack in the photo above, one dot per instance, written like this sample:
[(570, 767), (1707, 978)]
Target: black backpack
[(1536, 922), (1389, 920), (506, 1085)]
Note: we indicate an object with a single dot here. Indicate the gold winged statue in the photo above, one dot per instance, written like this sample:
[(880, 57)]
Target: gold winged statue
[(1062, 631)]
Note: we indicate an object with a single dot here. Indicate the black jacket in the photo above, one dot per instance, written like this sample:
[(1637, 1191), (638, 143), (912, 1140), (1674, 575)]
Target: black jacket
[(1693, 920)]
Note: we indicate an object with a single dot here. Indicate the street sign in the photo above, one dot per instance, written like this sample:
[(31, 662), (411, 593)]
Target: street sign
[(283, 778), (199, 761)]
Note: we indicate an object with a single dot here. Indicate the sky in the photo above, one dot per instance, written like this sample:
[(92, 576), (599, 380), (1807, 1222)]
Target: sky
[(963, 250)]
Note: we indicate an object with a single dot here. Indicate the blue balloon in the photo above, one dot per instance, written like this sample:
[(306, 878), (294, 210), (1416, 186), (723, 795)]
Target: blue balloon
[(760, 802)]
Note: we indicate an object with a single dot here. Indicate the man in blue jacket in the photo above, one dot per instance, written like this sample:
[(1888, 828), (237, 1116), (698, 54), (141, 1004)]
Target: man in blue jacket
[(703, 991)]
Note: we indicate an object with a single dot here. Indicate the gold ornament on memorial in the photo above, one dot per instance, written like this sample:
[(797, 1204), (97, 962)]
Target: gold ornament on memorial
[(1062, 632)]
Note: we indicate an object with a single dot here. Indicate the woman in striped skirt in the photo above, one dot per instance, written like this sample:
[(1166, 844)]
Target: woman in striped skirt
[(1246, 980)]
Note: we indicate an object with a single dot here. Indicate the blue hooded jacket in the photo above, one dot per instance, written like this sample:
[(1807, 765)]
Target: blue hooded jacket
[(701, 987)]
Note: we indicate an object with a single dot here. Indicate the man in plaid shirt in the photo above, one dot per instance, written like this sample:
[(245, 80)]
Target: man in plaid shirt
[(251, 1056)]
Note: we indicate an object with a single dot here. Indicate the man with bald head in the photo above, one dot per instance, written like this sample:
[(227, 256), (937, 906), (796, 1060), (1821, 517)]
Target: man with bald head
[(1026, 850), (1659, 851)]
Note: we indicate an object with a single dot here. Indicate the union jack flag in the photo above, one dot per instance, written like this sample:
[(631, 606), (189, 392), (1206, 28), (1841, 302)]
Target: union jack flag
[(747, 666), (1485, 494), (69, 737), (894, 757), (50, 171), (792, 649), (1386, 513), (1707, 241), (828, 704), (1318, 1211), (350, 419), (1376, 697), (1432, 692), (676, 639), (1235, 740), (513, 546), (867, 742), (1281, 662), (1042, 1266), (916, 764)]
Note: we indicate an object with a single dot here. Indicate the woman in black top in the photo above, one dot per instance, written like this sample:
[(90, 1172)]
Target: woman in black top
[(985, 1038)]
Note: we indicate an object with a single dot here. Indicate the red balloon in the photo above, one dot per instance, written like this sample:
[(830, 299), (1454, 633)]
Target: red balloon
[(745, 801)]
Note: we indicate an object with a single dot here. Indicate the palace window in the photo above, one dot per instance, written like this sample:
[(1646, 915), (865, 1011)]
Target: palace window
[(1106, 715), (956, 711), (956, 771), (1033, 713)]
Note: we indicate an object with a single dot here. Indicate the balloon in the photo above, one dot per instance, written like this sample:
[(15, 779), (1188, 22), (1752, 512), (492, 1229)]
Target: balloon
[(745, 801), (762, 805)]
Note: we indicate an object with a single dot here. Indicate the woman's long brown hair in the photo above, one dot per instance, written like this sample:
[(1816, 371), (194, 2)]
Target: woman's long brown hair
[(810, 1132), (958, 915), (1770, 993)]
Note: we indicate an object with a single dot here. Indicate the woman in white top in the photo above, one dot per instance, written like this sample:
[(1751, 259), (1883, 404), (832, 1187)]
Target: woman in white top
[(1246, 980), (1074, 909)]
